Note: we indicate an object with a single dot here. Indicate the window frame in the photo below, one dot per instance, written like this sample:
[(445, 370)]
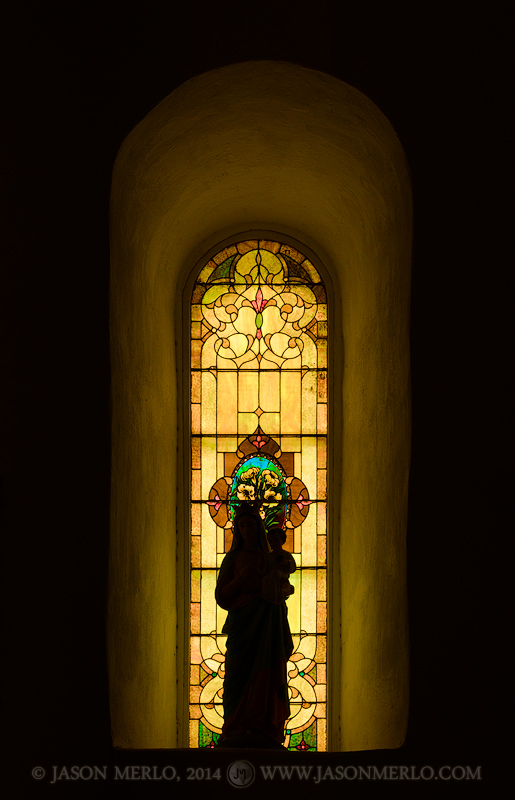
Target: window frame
[(183, 596)]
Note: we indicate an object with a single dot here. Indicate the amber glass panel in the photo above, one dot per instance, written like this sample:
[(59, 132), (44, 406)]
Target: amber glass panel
[(259, 385)]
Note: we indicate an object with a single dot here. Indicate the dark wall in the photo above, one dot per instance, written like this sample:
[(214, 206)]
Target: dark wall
[(73, 89)]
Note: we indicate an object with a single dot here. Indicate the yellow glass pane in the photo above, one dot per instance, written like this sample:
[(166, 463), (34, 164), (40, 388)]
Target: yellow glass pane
[(308, 604), (195, 387), (196, 347), (321, 314), (309, 465), (208, 554), (227, 402), (322, 452), (308, 296), (293, 603), (321, 673), (208, 647), (321, 652), (196, 655), (249, 244), (196, 311), (322, 353), (195, 484), (248, 389), (267, 364), (294, 363), (322, 418), (208, 465), (291, 444), (208, 358), (196, 330), (321, 618), (193, 732), (195, 617), (206, 272), (195, 453), (321, 511), (247, 361), (224, 254), (208, 416), (322, 733), (309, 539), (195, 712), (227, 444), (195, 519), (322, 387), (309, 353), (195, 693), (301, 716), (269, 391), (290, 402), (221, 616), (195, 417), (195, 586), (292, 252), (310, 269), (309, 402), (266, 244), (194, 674), (321, 484), (321, 554), (271, 360), (208, 604), (271, 423), (297, 544), (321, 584), (195, 551), (247, 423), (320, 691)]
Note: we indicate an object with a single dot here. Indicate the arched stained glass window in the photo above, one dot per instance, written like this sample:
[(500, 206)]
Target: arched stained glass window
[(259, 431)]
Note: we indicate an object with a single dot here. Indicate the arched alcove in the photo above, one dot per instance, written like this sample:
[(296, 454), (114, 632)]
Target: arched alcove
[(261, 146)]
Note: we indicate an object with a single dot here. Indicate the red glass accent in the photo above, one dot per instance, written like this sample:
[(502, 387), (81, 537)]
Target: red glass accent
[(215, 503), (259, 303), (300, 502)]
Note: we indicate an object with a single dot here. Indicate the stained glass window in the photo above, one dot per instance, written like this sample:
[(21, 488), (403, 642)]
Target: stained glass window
[(259, 431)]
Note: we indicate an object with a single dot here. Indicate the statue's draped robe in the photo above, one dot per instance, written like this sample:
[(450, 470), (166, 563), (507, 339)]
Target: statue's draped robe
[(259, 644)]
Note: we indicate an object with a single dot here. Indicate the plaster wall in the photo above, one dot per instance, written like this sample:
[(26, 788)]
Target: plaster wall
[(275, 147)]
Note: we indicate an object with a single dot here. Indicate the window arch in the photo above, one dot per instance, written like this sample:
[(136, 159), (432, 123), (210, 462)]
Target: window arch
[(259, 377), (260, 146)]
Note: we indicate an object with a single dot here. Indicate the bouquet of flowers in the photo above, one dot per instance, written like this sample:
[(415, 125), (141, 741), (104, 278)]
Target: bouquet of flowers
[(258, 481)]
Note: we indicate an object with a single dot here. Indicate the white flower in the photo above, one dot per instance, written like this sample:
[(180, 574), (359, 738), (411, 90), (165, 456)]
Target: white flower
[(245, 492), (249, 475), (270, 478)]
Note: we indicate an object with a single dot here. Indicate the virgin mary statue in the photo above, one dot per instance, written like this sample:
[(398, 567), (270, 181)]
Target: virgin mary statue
[(259, 642)]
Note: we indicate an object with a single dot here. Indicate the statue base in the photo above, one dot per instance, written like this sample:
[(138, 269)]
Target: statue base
[(254, 739)]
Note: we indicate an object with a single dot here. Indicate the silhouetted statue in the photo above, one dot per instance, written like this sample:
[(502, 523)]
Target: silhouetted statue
[(276, 587), (252, 586)]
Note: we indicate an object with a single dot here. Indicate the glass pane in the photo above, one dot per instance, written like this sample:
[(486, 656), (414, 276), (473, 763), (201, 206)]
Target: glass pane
[(259, 389)]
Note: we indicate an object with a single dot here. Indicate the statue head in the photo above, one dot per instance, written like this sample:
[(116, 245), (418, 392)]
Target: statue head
[(246, 519), (276, 537)]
